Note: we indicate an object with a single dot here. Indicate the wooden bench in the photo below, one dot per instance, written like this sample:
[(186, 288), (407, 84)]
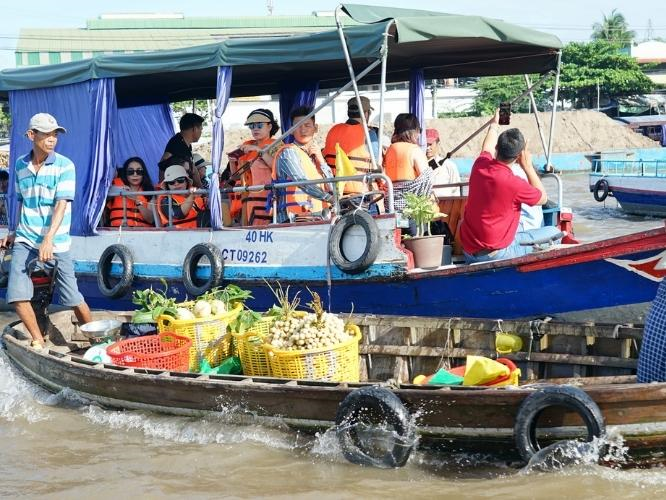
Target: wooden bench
[(454, 208)]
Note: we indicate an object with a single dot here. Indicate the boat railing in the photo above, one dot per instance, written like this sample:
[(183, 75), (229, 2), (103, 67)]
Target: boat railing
[(654, 168), (274, 187)]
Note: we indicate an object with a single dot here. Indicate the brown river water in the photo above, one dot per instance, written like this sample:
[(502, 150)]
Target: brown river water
[(59, 446)]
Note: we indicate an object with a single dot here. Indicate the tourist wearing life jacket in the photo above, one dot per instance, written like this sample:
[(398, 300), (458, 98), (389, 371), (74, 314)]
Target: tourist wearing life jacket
[(132, 177), (185, 209), (299, 161), (256, 170), (351, 138), (406, 164)]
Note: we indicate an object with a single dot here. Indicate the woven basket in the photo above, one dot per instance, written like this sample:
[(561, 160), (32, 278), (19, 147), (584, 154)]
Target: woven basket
[(339, 363), (165, 351), (210, 339), (250, 347)]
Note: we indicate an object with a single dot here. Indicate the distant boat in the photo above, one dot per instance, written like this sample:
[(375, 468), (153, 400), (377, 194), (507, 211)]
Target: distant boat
[(638, 186)]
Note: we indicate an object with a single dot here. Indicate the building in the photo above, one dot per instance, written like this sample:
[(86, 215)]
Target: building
[(129, 33), (653, 52)]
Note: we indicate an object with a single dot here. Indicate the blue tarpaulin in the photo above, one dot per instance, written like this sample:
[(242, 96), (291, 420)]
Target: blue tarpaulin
[(135, 125), (86, 110)]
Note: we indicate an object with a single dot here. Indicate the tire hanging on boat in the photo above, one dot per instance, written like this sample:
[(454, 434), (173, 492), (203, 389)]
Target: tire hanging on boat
[(601, 190), (367, 258), (374, 406), (104, 278), (196, 286), (567, 396)]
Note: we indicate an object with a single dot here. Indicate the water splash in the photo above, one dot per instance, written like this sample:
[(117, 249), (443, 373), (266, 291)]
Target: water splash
[(19, 399)]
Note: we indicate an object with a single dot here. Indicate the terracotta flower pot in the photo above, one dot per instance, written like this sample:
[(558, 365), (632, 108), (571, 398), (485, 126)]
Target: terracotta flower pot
[(427, 250)]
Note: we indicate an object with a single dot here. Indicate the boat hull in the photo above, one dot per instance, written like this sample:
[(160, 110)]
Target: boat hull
[(455, 419), (639, 195), (592, 277), (589, 279)]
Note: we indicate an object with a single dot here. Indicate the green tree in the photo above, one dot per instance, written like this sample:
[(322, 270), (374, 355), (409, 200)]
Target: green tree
[(586, 65), (4, 123), (613, 28), (496, 89)]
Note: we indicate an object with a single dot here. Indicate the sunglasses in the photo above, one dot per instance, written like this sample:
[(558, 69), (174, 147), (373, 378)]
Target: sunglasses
[(138, 171), (257, 125), (180, 180)]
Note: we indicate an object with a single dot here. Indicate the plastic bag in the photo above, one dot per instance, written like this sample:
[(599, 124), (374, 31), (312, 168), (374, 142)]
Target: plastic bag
[(480, 370)]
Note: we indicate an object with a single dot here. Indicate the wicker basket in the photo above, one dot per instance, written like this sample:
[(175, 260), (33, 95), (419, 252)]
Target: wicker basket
[(250, 347), (166, 351), (339, 363), (210, 339)]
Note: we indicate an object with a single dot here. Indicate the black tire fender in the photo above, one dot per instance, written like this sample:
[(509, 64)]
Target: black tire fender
[(124, 284), (367, 258), (573, 398), (374, 405), (193, 285), (601, 190)]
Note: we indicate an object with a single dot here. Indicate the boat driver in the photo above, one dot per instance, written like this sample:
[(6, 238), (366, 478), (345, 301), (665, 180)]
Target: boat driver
[(45, 186), (489, 230)]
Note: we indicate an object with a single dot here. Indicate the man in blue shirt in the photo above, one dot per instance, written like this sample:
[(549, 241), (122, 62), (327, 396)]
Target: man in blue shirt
[(45, 185)]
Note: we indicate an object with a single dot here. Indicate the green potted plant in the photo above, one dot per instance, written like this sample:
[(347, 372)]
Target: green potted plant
[(427, 249)]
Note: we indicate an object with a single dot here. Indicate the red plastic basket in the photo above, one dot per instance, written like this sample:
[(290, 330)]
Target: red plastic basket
[(166, 351)]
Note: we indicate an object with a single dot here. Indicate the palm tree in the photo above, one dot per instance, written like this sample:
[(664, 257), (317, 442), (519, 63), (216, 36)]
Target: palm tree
[(614, 28)]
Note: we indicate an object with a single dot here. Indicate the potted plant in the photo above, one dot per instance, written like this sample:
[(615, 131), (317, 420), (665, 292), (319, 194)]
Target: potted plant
[(427, 249)]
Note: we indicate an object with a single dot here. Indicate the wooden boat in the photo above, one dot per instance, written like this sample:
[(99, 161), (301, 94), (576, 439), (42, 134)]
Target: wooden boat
[(375, 270), (638, 186), (595, 361)]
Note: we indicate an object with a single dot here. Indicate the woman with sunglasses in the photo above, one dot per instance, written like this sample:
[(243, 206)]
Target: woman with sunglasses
[(132, 177), (255, 169), (185, 209)]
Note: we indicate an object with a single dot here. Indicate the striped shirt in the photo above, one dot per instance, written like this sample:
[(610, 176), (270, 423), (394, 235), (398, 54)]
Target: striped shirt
[(38, 192)]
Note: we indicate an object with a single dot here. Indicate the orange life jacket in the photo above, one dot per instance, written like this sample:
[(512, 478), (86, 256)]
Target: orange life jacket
[(133, 215), (115, 208), (238, 199), (352, 141), (399, 161), (190, 220), (296, 200)]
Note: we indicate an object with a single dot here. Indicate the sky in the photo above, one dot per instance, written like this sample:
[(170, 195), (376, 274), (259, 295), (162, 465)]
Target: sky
[(570, 20)]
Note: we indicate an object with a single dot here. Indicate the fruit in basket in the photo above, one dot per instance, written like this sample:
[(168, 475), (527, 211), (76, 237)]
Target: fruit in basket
[(202, 309), (316, 330), (217, 307), (183, 313)]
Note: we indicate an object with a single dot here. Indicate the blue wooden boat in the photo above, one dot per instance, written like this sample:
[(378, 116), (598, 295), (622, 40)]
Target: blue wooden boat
[(638, 186), (352, 257)]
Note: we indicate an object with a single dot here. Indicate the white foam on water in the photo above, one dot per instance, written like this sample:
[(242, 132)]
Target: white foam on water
[(195, 430), (19, 399)]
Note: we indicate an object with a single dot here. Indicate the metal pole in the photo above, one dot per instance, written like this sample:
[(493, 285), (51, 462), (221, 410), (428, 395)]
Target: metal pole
[(480, 129), (536, 114), (345, 50), (552, 116), (382, 91)]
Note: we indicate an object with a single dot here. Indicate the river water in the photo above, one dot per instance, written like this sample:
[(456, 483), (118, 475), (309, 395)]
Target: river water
[(59, 446)]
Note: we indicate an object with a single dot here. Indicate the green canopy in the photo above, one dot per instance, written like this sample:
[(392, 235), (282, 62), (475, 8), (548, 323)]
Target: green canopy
[(444, 45)]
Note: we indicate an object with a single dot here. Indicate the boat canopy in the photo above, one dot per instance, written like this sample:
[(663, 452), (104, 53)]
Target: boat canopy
[(114, 101), (443, 45)]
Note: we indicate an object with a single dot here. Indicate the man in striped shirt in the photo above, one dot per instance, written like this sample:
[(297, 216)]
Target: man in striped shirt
[(45, 185)]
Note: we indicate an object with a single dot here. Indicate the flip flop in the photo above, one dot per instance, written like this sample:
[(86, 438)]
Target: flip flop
[(38, 345)]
